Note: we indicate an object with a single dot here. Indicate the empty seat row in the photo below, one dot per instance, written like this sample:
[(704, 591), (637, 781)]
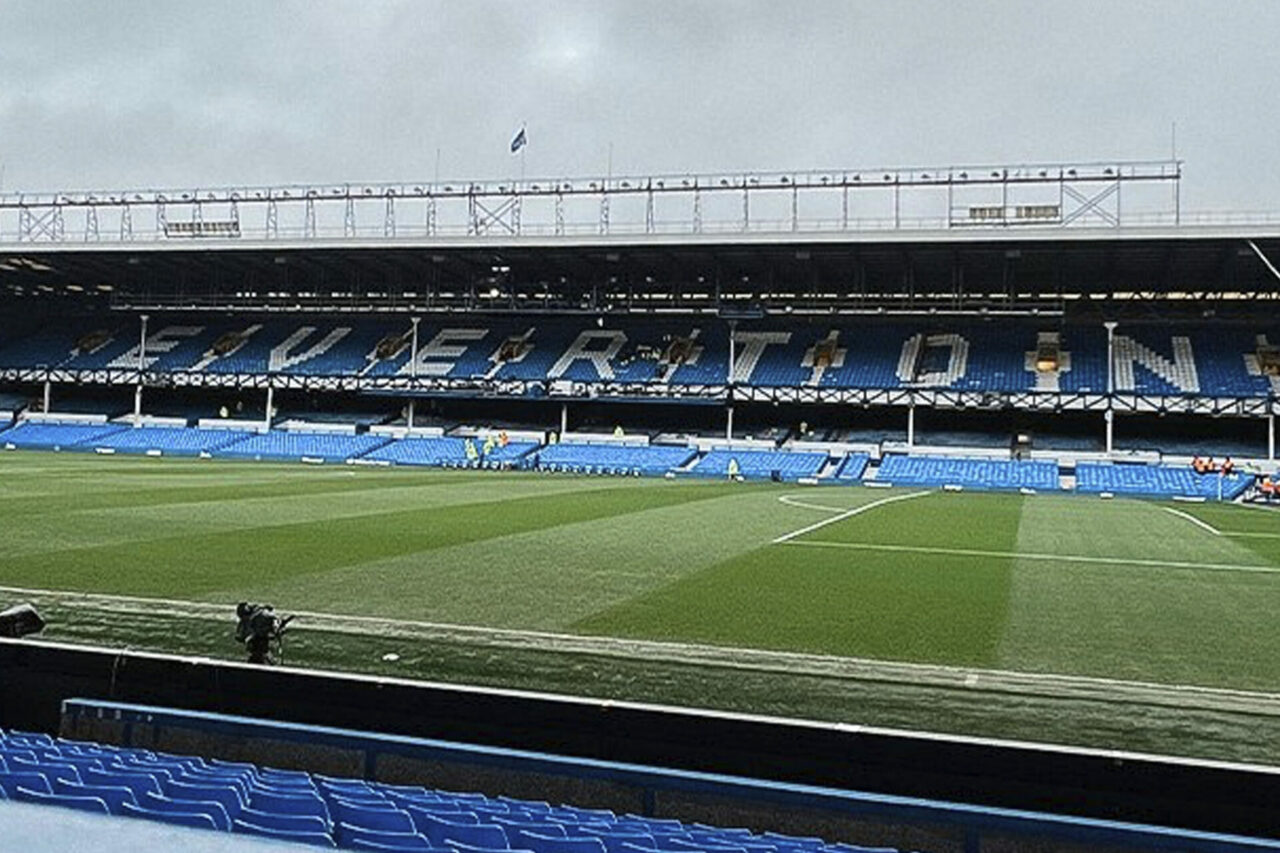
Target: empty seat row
[(330, 447), (611, 458), (1192, 359), (899, 469), (1158, 480), (349, 813), (761, 464), (449, 451)]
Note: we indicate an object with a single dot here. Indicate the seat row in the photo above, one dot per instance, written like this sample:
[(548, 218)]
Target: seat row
[(968, 473), (341, 812), (1192, 359)]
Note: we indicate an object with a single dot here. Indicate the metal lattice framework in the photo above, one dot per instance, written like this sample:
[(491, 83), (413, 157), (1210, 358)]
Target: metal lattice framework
[(1060, 195), (1043, 401)]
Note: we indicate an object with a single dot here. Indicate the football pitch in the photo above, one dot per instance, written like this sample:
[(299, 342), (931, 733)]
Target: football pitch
[(1123, 624)]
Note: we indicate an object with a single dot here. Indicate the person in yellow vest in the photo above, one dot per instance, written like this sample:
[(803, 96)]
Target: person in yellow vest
[(488, 445), (470, 448), (617, 431), (734, 469)]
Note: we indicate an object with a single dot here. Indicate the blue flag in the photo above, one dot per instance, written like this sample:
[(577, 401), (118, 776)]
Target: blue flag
[(519, 142)]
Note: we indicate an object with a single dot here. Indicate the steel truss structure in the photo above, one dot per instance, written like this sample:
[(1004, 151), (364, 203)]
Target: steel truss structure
[(1058, 195), (727, 394)]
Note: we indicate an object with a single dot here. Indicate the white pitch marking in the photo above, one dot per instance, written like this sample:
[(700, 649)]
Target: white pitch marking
[(850, 513), (790, 501), (1251, 534), (1060, 558), (1197, 522)]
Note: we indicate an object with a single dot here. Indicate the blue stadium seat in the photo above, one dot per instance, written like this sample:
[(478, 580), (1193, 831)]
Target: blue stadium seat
[(11, 781), (346, 835), (761, 464), (280, 445), (450, 812), (995, 474), (192, 818), (112, 796), (315, 839), (286, 822), (295, 802), (214, 811), (1157, 481), (612, 459), (544, 843), (384, 817), (444, 832), (227, 795), (69, 801), (50, 769), (614, 841)]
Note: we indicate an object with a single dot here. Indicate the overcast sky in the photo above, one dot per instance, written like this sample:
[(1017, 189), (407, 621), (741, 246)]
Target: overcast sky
[(136, 93)]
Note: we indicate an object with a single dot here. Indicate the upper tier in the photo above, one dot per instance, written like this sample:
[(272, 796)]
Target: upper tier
[(858, 353)]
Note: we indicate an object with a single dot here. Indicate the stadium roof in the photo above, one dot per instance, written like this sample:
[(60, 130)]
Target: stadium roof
[(969, 269), (958, 238)]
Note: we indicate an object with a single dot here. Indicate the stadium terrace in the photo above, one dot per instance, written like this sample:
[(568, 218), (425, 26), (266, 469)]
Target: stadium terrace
[(967, 476)]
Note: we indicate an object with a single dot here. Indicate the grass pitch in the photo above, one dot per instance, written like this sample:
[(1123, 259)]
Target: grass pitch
[(1126, 624)]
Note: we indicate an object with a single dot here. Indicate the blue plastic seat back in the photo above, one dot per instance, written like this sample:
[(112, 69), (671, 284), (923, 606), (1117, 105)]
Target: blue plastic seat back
[(722, 844), (613, 841), (347, 834), (487, 835), (542, 827), (544, 843), (315, 839), (31, 780), (226, 795), (450, 812), (289, 822), (301, 803), (196, 819), (137, 782), (459, 847), (286, 778), (394, 846), (216, 812), (385, 817), (113, 797), (48, 769), (67, 801), (30, 738), (17, 752)]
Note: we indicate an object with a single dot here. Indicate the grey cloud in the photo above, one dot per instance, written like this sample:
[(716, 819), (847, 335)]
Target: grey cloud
[(155, 92)]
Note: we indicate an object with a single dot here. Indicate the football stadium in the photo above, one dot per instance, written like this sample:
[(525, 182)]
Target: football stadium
[(851, 510)]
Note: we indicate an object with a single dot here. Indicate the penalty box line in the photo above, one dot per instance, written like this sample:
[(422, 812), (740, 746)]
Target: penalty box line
[(1048, 558), (849, 513)]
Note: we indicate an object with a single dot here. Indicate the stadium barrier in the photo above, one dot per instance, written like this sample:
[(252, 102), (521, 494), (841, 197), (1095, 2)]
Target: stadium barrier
[(1199, 795)]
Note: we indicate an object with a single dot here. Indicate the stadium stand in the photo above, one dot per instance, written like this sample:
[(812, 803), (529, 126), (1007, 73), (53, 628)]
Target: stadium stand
[(653, 460), (336, 812), (761, 464), (250, 799), (329, 447), (853, 467), (447, 451), (963, 356), (32, 435), (1157, 480), (170, 441), (969, 473)]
